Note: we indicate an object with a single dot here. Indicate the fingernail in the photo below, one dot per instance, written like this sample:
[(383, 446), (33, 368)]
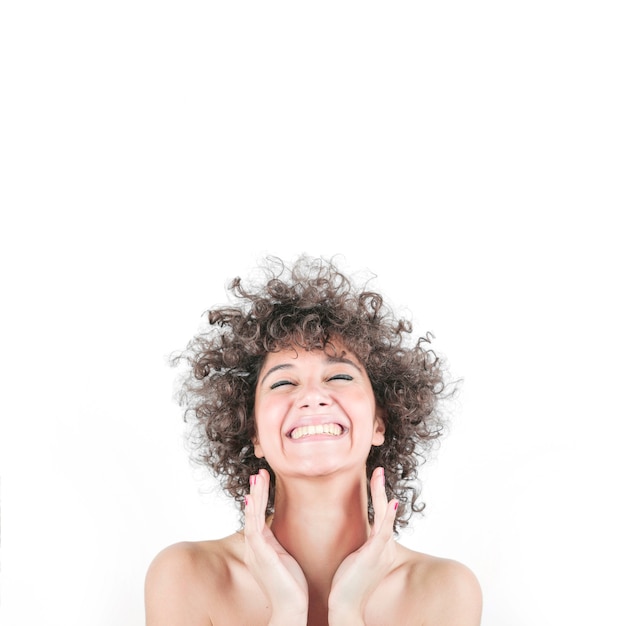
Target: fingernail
[(245, 500), (395, 506)]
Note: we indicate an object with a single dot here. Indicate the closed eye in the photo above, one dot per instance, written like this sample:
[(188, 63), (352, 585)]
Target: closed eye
[(341, 377), (280, 383)]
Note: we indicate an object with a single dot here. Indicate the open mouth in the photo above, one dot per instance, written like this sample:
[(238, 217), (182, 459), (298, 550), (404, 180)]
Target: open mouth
[(333, 430)]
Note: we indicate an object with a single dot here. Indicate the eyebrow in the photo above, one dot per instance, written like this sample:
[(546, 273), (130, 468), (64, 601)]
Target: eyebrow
[(329, 359)]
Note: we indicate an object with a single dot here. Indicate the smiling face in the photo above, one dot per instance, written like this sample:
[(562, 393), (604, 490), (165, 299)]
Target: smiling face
[(315, 411)]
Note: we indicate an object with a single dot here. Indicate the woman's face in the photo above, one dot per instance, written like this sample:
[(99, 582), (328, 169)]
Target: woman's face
[(315, 411)]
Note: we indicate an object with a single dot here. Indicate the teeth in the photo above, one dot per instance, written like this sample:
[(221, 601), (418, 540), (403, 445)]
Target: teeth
[(317, 429)]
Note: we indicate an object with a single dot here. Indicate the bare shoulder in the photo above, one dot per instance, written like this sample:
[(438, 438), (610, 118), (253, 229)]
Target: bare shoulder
[(448, 590), (180, 580)]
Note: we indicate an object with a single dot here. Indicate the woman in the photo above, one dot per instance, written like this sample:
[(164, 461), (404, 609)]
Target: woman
[(314, 412)]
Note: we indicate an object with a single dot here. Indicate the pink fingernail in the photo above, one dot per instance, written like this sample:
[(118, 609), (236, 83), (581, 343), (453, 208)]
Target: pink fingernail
[(245, 500), (395, 506)]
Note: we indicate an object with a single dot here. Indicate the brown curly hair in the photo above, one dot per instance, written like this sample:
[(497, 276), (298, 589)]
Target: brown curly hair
[(307, 305)]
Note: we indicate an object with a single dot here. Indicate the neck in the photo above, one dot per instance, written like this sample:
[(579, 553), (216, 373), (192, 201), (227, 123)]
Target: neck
[(319, 522)]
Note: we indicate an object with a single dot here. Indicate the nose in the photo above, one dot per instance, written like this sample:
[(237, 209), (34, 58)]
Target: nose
[(313, 395)]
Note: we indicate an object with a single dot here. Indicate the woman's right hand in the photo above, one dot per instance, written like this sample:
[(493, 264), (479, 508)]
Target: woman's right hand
[(274, 569)]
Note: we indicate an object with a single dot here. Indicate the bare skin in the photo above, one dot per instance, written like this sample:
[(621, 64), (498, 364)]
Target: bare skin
[(317, 561)]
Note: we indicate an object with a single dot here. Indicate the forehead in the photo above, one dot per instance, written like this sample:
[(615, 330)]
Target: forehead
[(334, 352)]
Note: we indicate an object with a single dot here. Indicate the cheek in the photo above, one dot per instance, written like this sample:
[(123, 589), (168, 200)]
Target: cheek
[(266, 417)]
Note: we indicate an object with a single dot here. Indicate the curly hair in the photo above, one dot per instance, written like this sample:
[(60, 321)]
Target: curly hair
[(308, 304)]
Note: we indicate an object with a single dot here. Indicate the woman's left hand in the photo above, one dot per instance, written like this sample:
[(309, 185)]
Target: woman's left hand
[(362, 571)]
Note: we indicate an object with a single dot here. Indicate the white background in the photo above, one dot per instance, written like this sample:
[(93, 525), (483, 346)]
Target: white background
[(471, 154)]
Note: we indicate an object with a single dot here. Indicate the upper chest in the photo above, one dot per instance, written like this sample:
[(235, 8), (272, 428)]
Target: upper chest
[(234, 597)]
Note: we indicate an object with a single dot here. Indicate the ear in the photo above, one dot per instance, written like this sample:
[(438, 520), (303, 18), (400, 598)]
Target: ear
[(258, 450), (378, 437)]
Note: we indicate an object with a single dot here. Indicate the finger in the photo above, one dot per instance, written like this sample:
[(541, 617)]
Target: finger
[(379, 497), (386, 528), (257, 552), (251, 526), (264, 488), (255, 502)]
